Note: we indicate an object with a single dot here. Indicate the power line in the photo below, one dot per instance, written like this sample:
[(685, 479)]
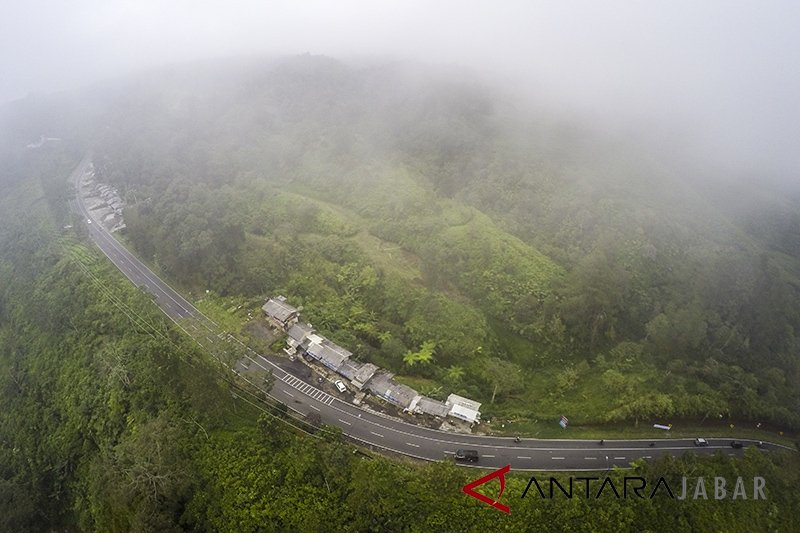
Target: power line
[(155, 333)]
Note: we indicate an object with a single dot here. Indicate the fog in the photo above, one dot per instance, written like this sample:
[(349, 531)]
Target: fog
[(720, 78)]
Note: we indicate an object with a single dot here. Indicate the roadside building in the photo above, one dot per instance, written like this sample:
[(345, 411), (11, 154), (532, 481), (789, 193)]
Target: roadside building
[(280, 314), (384, 386), (363, 375), (464, 409), (329, 354), (296, 335), (348, 369), (429, 406), (357, 373)]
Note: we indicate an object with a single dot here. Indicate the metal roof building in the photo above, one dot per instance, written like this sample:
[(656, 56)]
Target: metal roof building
[(279, 313), (464, 408), (363, 375), (329, 354), (429, 406), (349, 369), (384, 386), (296, 335)]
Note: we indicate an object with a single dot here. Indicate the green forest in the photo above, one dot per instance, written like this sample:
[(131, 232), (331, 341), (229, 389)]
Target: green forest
[(546, 269), (112, 420)]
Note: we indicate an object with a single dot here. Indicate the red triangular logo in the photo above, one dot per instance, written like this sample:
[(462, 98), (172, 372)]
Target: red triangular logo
[(468, 488)]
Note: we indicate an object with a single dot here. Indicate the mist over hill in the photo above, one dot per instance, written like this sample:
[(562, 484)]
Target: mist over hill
[(522, 237), (404, 204), (434, 222)]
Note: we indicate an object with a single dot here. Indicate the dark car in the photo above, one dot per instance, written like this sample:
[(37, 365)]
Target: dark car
[(736, 444), (466, 456)]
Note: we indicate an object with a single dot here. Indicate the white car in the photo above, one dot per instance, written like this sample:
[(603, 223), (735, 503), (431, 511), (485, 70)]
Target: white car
[(340, 385), (88, 220)]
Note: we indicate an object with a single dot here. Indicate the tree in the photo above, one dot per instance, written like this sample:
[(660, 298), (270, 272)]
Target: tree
[(616, 382), (567, 378), (423, 356), (503, 376), (454, 374)]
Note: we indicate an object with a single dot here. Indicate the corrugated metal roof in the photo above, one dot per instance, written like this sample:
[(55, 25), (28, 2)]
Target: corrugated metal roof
[(464, 413), (430, 406), (349, 369), (365, 373), (455, 399), (278, 310), (298, 331), (330, 354), (383, 385)]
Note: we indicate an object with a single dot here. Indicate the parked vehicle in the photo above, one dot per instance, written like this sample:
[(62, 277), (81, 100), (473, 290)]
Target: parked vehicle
[(700, 442), (467, 456), (340, 385)]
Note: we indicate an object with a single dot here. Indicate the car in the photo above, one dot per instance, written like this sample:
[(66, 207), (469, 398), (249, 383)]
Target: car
[(340, 386), (88, 220), (466, 456), (736, 444), (700, 442)]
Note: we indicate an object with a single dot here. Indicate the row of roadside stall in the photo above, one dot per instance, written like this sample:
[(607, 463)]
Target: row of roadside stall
[(303, 340)]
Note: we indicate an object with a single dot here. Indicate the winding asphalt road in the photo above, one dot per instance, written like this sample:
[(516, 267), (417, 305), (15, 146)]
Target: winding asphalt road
[(374, 429)]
